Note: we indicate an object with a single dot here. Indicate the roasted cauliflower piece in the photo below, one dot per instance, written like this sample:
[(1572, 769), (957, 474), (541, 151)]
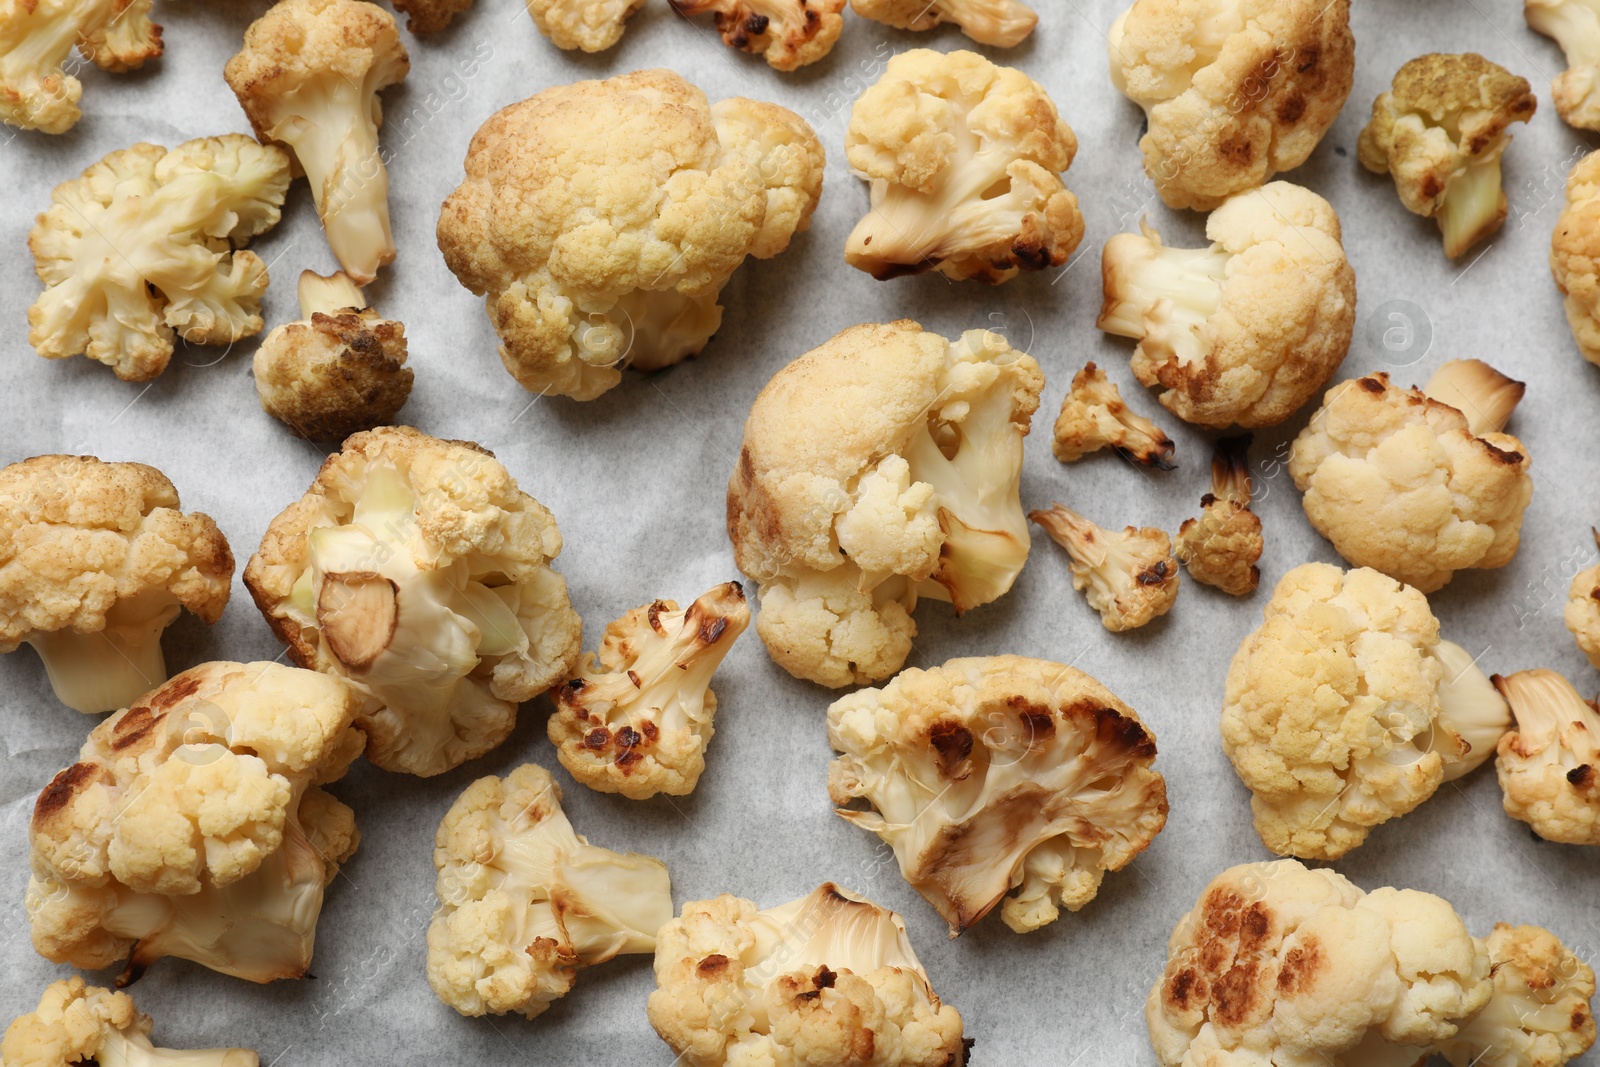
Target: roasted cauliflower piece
[(964, 158), (1575, 25), (1221, 547), (1417, 483), (525, 902), (878, 468), (589, 25), (1345, 710), (998, 23), (599, 251), (1539, 1013), (1093, 416), (1233, 91), (1440, 131), (1582, 612), (339, 370), (788, 33), (78, 1023), (193, 826), (96, 561), (830, 978), (417, 571), (999, 775), (1549, 762), (147, 244), (638, 721), (36, 38), (429, 16), (1575, 255), (308, 77), (1247, 330), (1130, 574)]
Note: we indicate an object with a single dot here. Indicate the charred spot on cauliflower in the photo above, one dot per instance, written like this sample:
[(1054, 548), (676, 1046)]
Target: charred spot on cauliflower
[(79, 1023), (36, 37), (1221, 547), (1130, 575), (1093, 416), (998, 23), (788, 33), (1549, 762)]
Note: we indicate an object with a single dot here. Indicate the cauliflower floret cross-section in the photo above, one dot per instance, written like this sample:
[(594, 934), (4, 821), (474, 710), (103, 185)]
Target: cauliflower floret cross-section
[(525, 902), (37, 36), (999, 775), (830, 978), (1128, 576), (1549, 763), (601, 219), (418, 572), (881, 467), (79, 1023)]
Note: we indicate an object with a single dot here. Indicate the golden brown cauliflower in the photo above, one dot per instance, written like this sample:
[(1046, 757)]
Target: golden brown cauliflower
[(602, 219), (1221, 547), (1417, 483), (193, 825), (1583, 610), (36, 38), (879, 468), (964, 158), (788, 33), (829, 979), (95, 561), (1440, 131), (1575, 25), (1549, 763), (429, 16), (1093, 417), (1130, 575), (1247, 330), (1233, 91), (1345, 710), (1539, 1014), (999, 780), (589, 25), (1575, 255), (417, 571), (78, 1023), (638, 721), (339, 370), (997, 23)]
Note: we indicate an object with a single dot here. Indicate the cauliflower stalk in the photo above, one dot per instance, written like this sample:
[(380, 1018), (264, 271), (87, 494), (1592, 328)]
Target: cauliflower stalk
[(525, 902), (77, 1023), (879, 468), (999, 775), (788, 33), (1575, 25), (1093, 416), (998, 23), (1575, 255), (96, 561), (1221, 547), (415, 570), (1549, 763), (1345, 710), (193, 825), (830, 978), (308, 77), (1130, 575), (599, 251), (37, 36), (1538, 1014), (1247, 330), (638, 721), (147, 244), (1417, 483), (964, 160)]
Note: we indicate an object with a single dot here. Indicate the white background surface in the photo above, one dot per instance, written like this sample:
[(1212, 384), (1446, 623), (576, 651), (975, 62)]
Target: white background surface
[(636, 480)]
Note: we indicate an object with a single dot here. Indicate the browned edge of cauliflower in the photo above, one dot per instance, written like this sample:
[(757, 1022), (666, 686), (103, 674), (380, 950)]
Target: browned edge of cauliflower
[(1093, 416), (1130, 575)]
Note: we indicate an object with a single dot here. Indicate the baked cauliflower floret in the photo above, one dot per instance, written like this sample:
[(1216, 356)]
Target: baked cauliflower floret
[(1440, 131), (998, 23), (1539, 1014), (338, 370), (147, 244), (525, 902), (1233, 91), (418, 572), (95, 561), (1281, 964), (429, 16), (999, 775), (36, 38), (590, 25), (1583, 610), (881, 467), (788, 33), (638, 721), (1575, 255), (1345, 710), (1221, 547), (193, 825), (1549, 763), (964, 158), (602, 219), (1417, 483), (308, 77), (1130, 575), (1247, 330), (1575, 25), (1093, 416), (827, 979), (78, 1023)]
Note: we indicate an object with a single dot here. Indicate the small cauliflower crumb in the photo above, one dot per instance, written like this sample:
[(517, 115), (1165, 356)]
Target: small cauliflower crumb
[(1131, 576), (1221, 547), (1549, 763), (1093, 416), (789, 34)]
